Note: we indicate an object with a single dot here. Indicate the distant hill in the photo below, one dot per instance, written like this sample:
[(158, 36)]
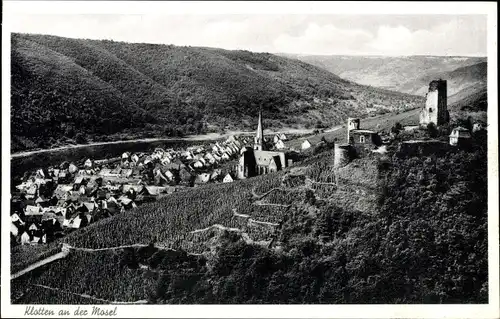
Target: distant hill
[(472, 98), (72, 90), (458, 79), (410, 74)]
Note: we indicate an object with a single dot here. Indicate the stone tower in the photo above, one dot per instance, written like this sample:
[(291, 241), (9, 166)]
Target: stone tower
[(352, 124), (435, 109), (343, 155), (259, 136)]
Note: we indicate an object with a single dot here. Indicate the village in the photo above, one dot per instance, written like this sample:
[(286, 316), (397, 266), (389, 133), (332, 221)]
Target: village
[(51, 202)]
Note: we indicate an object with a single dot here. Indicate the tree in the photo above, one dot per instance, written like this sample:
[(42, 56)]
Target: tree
[(80, 138), (396, 128)]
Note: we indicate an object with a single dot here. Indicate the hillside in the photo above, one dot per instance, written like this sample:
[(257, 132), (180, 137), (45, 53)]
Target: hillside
[(473, 98), (459, 79), (410, 74), (72, 90), (383, 229)]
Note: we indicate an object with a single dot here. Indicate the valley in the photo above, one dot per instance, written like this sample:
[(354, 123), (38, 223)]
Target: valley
[(410, 74), (170, 91), (360, 201)]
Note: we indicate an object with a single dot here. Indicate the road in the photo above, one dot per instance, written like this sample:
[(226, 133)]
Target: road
[(56, 149), (40, 263)]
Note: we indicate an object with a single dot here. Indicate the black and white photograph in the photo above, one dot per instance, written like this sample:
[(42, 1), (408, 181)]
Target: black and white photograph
[(312, 156)]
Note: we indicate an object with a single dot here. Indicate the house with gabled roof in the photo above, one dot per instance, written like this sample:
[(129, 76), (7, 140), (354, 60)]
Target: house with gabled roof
[(305, 145), (105, 172), (75, 222), (280, 145), (72, 168), (88, 163), (42, 201), (126, 156), (169, 175), (91, 206), (62, 191), (42, 173), (166, 160), (14, 230), (460, 136), (198, 164), (16, 219), (478, 126), (231, 138), (185, 176), (126, 172), (135, 157), (33, 211), (32, 191), (160, 178), (228, 178), (215, 174), (74, 196), (25, 238), (202, 178), (217, 157), (153, 190)]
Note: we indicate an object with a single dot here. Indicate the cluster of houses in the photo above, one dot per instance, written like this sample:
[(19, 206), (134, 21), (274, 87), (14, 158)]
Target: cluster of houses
[(50, 202), (280, 140)]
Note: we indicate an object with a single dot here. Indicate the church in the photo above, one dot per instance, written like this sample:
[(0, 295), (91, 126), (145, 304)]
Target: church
[(257, 160)]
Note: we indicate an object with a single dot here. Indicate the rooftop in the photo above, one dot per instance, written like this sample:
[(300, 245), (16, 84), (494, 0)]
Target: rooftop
[(460, 128), (363, 131), (422, 141)]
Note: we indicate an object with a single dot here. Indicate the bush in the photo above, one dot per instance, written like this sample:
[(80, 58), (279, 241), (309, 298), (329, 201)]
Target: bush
[(80, 138), (432, 130), (396, 128)]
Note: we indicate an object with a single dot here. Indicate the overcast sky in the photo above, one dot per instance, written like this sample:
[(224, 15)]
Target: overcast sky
[(302, 34)]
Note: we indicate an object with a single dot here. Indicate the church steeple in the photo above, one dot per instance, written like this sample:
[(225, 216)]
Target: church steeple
[(259, 136)]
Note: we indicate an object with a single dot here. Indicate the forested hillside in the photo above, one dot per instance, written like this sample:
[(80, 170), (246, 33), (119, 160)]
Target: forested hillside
[(75, 90), (408, 74)]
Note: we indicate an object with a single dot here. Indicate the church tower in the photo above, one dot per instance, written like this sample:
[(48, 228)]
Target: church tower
[(259, 136)]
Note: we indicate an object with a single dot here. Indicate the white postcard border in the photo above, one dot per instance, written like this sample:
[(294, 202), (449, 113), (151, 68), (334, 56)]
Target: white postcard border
[(491, 310)]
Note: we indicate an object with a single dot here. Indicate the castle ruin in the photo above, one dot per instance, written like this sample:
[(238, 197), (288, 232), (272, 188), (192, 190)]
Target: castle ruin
[(435, 109)]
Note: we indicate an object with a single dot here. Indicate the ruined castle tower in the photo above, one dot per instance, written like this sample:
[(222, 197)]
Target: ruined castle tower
[(352, 124), (435, 109), (259, 136), (343, 155)]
